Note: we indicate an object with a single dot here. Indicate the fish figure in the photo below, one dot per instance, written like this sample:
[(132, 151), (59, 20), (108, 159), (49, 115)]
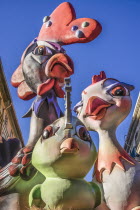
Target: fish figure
[(45, 64)]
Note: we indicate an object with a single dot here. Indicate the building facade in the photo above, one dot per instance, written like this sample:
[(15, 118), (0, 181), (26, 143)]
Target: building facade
[(132, 143), (9, 127)]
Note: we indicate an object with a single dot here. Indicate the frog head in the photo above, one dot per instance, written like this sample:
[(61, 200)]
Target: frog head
[(64, 151)]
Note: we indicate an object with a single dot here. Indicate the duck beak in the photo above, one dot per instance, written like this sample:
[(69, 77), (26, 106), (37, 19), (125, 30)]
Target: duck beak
[(96, 108)]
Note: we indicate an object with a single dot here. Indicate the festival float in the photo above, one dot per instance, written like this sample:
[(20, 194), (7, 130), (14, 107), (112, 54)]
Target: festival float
[(48, 172)]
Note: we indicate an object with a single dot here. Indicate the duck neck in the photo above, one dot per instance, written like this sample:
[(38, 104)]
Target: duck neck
[(110, 153), (108, 140)]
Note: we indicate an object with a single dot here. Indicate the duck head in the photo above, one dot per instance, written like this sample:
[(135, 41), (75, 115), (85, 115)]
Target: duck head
[(105, 103)]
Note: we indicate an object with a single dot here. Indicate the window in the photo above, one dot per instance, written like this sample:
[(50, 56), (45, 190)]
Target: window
[(4, 131)]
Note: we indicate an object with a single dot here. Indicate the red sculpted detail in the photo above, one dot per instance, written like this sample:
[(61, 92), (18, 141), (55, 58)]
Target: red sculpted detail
[(63, 27), (59, 66), (84, 92), (97, 78)]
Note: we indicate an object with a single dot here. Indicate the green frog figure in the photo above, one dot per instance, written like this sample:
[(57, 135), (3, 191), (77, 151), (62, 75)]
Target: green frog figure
[(64, 154)]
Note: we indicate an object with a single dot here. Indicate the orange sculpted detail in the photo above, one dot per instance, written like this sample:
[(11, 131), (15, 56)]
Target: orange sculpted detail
[(69, 146), (107, 161), (18, 81), (96, 108), (45, 87), (59, 66), (24, 91), (17, 77), (58, 90)]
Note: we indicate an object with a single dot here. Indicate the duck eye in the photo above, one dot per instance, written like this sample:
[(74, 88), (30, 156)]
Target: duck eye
[(118, 91), (82, 133), (42, 50), (48, 132)]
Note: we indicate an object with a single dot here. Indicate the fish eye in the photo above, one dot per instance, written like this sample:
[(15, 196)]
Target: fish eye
[(82, 133), (42, 50), (85, 24), (74, 28), (119, 91), (48, 132), (48, 23)]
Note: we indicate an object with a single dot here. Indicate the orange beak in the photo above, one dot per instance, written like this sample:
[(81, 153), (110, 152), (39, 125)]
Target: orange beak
[(96, 107), (69, 146)]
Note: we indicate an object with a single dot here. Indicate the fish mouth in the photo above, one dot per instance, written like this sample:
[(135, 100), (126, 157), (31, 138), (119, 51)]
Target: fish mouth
[(96, 108), (57, 68)]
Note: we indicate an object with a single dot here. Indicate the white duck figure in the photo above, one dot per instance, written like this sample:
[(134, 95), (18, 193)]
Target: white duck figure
[(105, 104)]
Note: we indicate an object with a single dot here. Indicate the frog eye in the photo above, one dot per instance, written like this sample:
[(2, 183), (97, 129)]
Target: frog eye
[(119, 91), (48, 132), (82, 133), (42, 50)]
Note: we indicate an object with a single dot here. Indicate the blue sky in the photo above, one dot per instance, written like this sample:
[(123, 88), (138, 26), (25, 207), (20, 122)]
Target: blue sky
[(116, 50)]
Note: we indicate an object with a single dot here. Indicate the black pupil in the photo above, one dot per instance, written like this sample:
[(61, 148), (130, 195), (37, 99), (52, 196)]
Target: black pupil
[(45, 134), (119, 92), (40, 51), (84, 135), (74, 28)]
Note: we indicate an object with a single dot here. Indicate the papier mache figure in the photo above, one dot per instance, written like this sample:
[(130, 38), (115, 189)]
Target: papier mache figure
[(44, 65), (64, 154), (104, 105)]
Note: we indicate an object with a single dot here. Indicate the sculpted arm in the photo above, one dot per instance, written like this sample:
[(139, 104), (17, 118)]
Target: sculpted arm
[(35, 197), (97, 193)]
